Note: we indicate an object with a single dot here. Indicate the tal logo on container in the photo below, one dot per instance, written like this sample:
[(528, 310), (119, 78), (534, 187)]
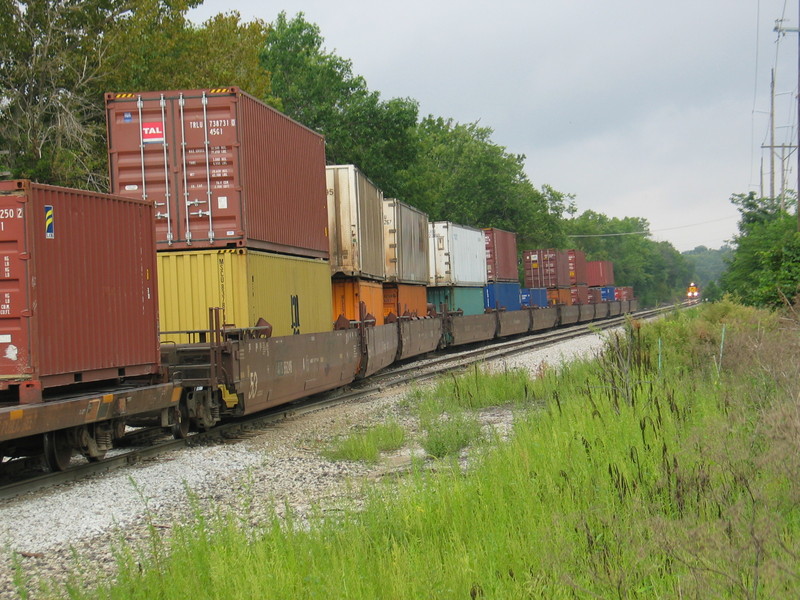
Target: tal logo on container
[(152, 133)]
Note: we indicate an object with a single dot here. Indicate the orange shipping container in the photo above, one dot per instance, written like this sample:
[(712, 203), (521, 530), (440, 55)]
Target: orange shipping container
[(405, 299), (559, 296), (349, 292)]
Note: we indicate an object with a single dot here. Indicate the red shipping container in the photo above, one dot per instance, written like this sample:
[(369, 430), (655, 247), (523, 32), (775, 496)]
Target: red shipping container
[(223, 169), (576, 259), (623, 293), (545, 268), (501, 255), (595, 296), (600, 273), (579, 294), (79, 299)]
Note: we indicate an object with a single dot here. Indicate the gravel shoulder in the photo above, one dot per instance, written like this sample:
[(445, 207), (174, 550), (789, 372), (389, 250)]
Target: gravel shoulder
[(56, 530)]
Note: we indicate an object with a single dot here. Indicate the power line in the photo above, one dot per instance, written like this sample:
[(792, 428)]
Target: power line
[(588, 235)]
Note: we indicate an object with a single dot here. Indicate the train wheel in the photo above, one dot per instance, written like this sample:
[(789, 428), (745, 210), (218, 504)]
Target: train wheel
[(180, 430), (57, 450)]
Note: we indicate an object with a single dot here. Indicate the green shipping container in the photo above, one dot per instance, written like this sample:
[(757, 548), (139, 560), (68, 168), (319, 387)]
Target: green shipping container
[(468, 299), (292, 294)]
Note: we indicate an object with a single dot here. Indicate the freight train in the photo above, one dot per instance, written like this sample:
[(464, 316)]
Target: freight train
[(231, 271)]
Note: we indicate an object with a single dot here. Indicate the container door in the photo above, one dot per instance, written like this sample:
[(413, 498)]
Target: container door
[(205, 139), (179, 152)]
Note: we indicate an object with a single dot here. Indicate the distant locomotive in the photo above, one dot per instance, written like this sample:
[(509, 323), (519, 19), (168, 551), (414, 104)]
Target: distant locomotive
[(693, 291)]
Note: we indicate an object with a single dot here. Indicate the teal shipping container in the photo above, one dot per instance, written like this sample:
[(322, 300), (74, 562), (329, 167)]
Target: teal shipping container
[(468, 299)]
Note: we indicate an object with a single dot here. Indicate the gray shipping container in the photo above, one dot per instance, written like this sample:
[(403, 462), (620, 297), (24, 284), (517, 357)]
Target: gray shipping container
[(457, 255), (405, 235), (355, 224)]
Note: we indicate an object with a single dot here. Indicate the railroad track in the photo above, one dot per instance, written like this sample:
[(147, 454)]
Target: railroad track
[(416, 370)]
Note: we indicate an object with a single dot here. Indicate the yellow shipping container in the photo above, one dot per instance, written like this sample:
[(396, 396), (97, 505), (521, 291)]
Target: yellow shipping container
[(292, 294)]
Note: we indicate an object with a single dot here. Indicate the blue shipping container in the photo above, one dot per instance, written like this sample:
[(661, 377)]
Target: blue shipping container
[(607, 293), (533, 297), (502, 295)]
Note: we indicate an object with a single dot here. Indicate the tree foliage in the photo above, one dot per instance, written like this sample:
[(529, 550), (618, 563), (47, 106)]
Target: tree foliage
[(58, 57), (765, 266), (462, 176), (656, 270), (319, 89), (51, 63)]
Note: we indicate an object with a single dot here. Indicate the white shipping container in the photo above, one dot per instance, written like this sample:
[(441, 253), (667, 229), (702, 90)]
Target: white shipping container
[(405, 234), (457, 255), (355, 223)]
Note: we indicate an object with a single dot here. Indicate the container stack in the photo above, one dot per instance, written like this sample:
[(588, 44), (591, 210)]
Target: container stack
[(405, 237), (457, 267), (548, 268), (241, 210), (599, 274), (502, 291), (358, 262), (576, 259)]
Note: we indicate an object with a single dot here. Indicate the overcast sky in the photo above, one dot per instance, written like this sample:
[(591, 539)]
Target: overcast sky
[(637, 107)]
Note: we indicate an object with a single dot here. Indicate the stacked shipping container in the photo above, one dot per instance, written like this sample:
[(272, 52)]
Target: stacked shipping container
[(405, 236), (457, 263), (226, 172), (599, 273)]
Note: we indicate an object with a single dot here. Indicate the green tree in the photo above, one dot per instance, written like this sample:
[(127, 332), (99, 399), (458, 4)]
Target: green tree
[(52, 56), (155, 47), (765, 266), (462, 176), (707, 264), (656, 270), (319, 89)]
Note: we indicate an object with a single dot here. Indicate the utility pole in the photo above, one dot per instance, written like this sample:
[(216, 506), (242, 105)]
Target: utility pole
[(783, 31)]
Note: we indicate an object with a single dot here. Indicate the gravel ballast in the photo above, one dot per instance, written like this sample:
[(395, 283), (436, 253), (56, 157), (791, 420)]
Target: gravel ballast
[(280, 467)]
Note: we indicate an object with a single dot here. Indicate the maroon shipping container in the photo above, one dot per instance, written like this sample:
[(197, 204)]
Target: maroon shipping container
[(501, 255), (623, 293), (595, 295), (579, 294), (600, 273), (576, 260), (223, 169), (545, 268), (78, 300)]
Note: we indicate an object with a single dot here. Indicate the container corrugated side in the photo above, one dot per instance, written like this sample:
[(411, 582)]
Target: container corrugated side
[(405, 236), (501, 255), (545, 267), (599, 273), (457, 255), (223, 168), (580, 294), (349, 292), (557, 296), (405, 300), (533, 297), (290, 293), (79, 297), (355, 223), (453, 298), (576, 261), (503, 295)]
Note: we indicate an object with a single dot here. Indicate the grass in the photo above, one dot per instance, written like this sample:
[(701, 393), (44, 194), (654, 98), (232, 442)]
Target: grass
[(367, 445), (669, 467)]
